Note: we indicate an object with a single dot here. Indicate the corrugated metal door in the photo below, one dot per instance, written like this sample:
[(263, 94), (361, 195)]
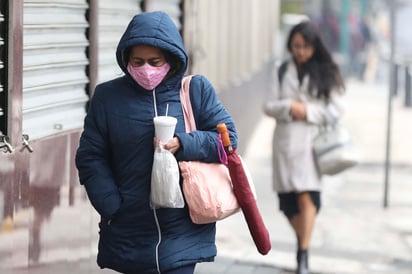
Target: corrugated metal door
[(54, 66), (2, 73), (171, 7), (113, 19)]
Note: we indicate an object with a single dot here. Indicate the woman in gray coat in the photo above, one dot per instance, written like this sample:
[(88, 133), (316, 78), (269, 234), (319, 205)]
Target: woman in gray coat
[(307, 95)]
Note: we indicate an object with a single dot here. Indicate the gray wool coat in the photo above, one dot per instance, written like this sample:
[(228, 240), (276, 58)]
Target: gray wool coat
[(294, 168)]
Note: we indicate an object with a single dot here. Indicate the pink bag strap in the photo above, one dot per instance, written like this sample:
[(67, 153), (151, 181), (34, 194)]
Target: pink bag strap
[(221, 151), (189, 118)]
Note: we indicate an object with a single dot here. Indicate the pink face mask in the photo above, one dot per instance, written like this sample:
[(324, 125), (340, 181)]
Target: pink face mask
[(148, 76)]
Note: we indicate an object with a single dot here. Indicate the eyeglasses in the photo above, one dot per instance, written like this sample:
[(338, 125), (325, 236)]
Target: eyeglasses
[(301, 47)]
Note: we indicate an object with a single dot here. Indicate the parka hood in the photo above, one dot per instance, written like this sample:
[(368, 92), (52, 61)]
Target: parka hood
[(154, 29)]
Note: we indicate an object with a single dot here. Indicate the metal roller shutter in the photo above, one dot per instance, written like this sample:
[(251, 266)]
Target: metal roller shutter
[(2, 74), (171, 7), (54, 66), (113, 19)]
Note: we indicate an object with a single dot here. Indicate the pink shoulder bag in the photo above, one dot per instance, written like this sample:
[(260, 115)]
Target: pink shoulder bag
[(207, 187)]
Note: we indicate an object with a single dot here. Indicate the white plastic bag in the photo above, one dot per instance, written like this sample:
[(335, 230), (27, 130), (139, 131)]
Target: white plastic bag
[(165, 187)]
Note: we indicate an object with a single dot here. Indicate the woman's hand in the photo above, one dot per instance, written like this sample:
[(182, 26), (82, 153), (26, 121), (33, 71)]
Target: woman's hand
[(156, 142), (173, 145), (298, 110)]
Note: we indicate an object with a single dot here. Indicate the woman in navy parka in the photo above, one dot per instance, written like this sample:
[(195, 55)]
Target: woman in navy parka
[(115, 157)]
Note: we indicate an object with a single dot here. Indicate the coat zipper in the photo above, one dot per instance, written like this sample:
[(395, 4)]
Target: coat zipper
[(154, 210), (158, 243)]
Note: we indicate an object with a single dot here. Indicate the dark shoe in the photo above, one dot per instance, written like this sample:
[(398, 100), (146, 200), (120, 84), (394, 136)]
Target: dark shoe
[(302, 262)]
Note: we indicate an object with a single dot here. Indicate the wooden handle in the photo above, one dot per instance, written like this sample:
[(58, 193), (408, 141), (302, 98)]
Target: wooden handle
[(222, 129)]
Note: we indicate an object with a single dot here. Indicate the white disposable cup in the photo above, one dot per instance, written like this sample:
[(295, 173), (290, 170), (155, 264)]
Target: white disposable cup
[(164, 127)]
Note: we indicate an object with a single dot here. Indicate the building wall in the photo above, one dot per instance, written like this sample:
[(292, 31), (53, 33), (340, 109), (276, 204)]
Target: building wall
[(52, 54)]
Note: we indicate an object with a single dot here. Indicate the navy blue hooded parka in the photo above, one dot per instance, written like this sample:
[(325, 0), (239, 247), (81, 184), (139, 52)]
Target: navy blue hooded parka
[(115, 159)]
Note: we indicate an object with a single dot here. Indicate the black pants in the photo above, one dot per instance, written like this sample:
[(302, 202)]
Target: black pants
[(188, 269)]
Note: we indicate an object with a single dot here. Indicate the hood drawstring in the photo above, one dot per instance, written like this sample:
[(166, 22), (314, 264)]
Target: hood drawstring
[(154, 102)]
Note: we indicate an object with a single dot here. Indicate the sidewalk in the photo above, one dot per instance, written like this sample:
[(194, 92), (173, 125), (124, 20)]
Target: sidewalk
[(353, 233)]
